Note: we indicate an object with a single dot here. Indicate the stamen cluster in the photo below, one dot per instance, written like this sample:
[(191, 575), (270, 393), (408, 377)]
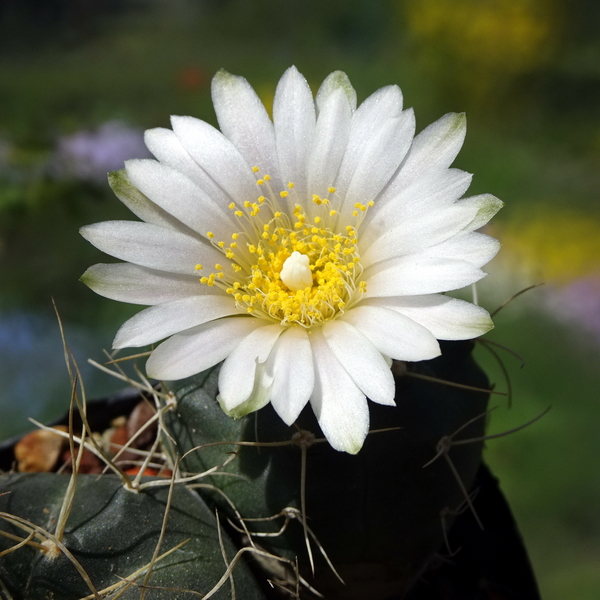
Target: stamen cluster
[(271, 229)]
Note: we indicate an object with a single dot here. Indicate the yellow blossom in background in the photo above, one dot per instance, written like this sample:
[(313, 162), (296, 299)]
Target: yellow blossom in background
[(478, 42), (554, 246)]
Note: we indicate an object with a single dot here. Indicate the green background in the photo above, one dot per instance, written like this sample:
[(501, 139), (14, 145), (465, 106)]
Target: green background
[(527, 73)]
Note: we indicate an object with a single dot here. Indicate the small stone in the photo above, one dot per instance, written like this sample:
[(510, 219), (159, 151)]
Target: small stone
[(38, 451), (140, 415)]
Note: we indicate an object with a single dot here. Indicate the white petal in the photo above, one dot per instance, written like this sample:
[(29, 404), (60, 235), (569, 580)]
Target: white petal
[(151, 246), (217, 156), (180, 197), (373, 126), (340, 407), (329, 144), (162, 320), (139, 204), (429, 194), (294, 119), (393, 334), (167, 148), (138, 285), (417, 233), (372, 157), (244, 120), (386, 102), (291, 366), (447, 318), (362, 361), (199, 348), (237, 377), (434, 149), (419, 274), (475, 248), (487, 206), (334, 82)]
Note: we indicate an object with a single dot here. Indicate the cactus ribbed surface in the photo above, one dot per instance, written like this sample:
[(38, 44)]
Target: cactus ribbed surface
[(112, 533)]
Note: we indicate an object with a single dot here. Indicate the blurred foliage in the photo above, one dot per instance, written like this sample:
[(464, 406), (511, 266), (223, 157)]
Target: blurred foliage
[(526, 71)]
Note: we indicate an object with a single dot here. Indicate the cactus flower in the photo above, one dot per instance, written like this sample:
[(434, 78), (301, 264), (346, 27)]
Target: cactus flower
[(306, 251)]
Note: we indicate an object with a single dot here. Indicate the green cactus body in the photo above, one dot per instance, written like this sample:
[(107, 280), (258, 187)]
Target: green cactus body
[(112, 533), (377, 514)]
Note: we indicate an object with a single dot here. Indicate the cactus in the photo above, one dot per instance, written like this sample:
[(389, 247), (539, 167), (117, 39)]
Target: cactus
[(378, 516), (112, 534)]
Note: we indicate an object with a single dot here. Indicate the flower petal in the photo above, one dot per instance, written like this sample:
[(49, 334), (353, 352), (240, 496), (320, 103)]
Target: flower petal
[(419, 200), (199, 348), (292, 370), (150, 246), (141, 206), (339, 405), (372, 157), (294, 119), (362, 361), (329, 143), (393, 334), (418, 274), (431, 152), (238, 375), (417, 233), (138, 285), (475, 248), (217, 156), (334, 82), (380, 135), (162, 320), (180, 197), (435, 148), (487, 206), (167, 148), (244, 120), (447, 318)]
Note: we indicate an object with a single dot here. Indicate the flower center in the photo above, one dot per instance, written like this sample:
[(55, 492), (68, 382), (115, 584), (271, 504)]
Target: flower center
[(288, 263), (295, 273)]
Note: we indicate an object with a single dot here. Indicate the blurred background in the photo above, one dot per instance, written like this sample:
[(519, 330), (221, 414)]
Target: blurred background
[(80, 80)]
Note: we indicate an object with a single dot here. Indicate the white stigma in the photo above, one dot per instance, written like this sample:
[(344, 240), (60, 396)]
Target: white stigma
[(296, 273)]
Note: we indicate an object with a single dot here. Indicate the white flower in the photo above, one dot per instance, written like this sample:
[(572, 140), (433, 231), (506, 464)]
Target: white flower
[(306, 252)]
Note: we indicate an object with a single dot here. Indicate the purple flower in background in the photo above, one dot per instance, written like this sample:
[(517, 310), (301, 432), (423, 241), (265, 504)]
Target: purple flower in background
[(91, 155), (578, 303)]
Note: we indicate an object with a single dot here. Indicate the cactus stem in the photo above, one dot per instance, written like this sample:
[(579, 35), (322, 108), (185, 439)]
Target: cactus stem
[(163, 528), (463, 489), (130, 579), (506, 302), (504, 433), (114, 361), (143, 386), (138, 478), (67, 503), (303, 439), (452, 383), (223, 552), (21, 542), (303, 448), (261, 553), (487, 344), (51, 550)]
